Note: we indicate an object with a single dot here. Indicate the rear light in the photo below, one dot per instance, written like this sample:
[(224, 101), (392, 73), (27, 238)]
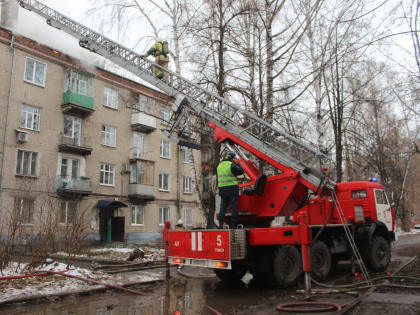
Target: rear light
[(178, 261), (221, 264)]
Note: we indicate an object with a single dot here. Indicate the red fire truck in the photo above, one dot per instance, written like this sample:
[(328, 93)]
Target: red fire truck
[(328, 221), (314, 238)]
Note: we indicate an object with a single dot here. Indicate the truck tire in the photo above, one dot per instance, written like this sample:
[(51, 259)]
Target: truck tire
[(287, 265), (378, 255), (234, 274), (320, 261)]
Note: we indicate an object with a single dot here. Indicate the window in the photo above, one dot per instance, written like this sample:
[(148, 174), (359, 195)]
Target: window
[(35, 71), (68, 212), (165, 149), (188, 219), (164, 181), (381, 197), (163, 215), (24, 210), (187, 185), (111, 97), (186, 155), (206, 183), (29, 117), (137, 215), (27, 163), (107, 175), (69, 168), (78, 82), (146, 104), (73, 128), (138, 145), (165, 115), (358, 194), (109, 136), (141, 172)]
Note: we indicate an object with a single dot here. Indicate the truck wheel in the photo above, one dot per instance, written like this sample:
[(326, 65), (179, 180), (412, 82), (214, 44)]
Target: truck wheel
[(234, 274), (320, 261), (378, 255), (287, 265)]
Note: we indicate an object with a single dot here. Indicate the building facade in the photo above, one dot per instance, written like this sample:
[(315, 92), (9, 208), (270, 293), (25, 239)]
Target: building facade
[(80, 140)]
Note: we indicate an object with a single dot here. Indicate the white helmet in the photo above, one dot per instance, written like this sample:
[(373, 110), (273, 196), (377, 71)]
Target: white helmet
[(179, 222), (159, 39)]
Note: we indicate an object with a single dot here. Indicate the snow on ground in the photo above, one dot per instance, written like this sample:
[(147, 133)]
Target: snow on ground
[(413, 231), (11, 289)]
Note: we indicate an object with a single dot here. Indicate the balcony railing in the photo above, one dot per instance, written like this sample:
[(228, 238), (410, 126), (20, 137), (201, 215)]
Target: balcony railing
[(74, 145), (138, 153), (77, 104), (141, 191), (143, 122), (78, 185)]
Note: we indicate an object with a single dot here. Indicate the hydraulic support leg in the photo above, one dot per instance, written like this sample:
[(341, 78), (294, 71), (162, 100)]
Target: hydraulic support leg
[(306, 237)]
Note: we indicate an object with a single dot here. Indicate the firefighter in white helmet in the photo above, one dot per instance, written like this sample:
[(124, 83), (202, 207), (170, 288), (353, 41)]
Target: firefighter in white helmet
[(160, 50)]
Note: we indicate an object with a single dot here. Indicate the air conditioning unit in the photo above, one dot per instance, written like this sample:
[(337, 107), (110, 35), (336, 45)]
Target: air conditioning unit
[(22, 136)]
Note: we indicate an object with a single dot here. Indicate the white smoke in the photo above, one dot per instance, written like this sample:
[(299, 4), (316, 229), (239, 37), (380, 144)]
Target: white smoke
[(32, 26)]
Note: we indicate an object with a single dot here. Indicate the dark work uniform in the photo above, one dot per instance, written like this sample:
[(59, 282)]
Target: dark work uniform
[(228, 189)]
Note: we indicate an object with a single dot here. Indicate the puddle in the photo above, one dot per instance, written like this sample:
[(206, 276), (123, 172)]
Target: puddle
[(183, 295)]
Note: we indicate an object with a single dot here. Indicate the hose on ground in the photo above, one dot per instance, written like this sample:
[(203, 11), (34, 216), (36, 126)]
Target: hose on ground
[(326, 307)]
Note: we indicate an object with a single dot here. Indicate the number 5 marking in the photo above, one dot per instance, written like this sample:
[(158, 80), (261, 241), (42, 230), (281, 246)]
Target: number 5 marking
[(219, 240)]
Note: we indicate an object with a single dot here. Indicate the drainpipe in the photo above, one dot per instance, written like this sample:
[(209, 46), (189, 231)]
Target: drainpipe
[(7, 119), (178, 181)]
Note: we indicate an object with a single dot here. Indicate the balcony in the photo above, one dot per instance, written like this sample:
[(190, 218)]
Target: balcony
[(73, 185), (141, 191), (143, 122), (137, 153), (77, 104), (74, 145)]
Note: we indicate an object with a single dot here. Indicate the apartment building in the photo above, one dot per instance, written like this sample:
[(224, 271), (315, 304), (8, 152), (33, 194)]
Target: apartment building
[(77, 139)]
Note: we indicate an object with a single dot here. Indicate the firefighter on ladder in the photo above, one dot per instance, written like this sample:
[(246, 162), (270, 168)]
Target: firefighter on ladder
[(228, 188), (160, 51)]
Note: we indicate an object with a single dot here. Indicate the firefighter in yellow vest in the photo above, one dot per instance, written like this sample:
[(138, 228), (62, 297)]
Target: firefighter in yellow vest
[(160, 51), (228, 188)]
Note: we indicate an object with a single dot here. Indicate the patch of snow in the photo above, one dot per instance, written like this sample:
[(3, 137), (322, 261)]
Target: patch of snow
[(51, 285), (119, 250)]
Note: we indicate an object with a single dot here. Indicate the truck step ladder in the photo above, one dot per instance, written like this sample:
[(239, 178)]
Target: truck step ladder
[(195, 103)]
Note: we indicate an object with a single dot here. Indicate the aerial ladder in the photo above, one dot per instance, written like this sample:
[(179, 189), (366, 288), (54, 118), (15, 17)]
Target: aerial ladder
[(302, 169)]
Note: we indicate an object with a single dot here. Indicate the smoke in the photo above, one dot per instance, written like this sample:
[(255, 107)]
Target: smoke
[(26, 23)]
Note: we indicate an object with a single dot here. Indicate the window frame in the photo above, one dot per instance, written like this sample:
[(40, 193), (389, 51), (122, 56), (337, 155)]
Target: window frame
[(108, 133), (31, 163), (191, 216), (186, 155), (33, 114), (162, 181), (32, 81), (187, 185), (110, 94), (162, 149), (162, 214), (105, 171), (136, 208), (22, 209), (67, 207)]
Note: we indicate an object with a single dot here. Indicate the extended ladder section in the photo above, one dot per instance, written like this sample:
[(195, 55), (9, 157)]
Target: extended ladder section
[(195, 104)]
